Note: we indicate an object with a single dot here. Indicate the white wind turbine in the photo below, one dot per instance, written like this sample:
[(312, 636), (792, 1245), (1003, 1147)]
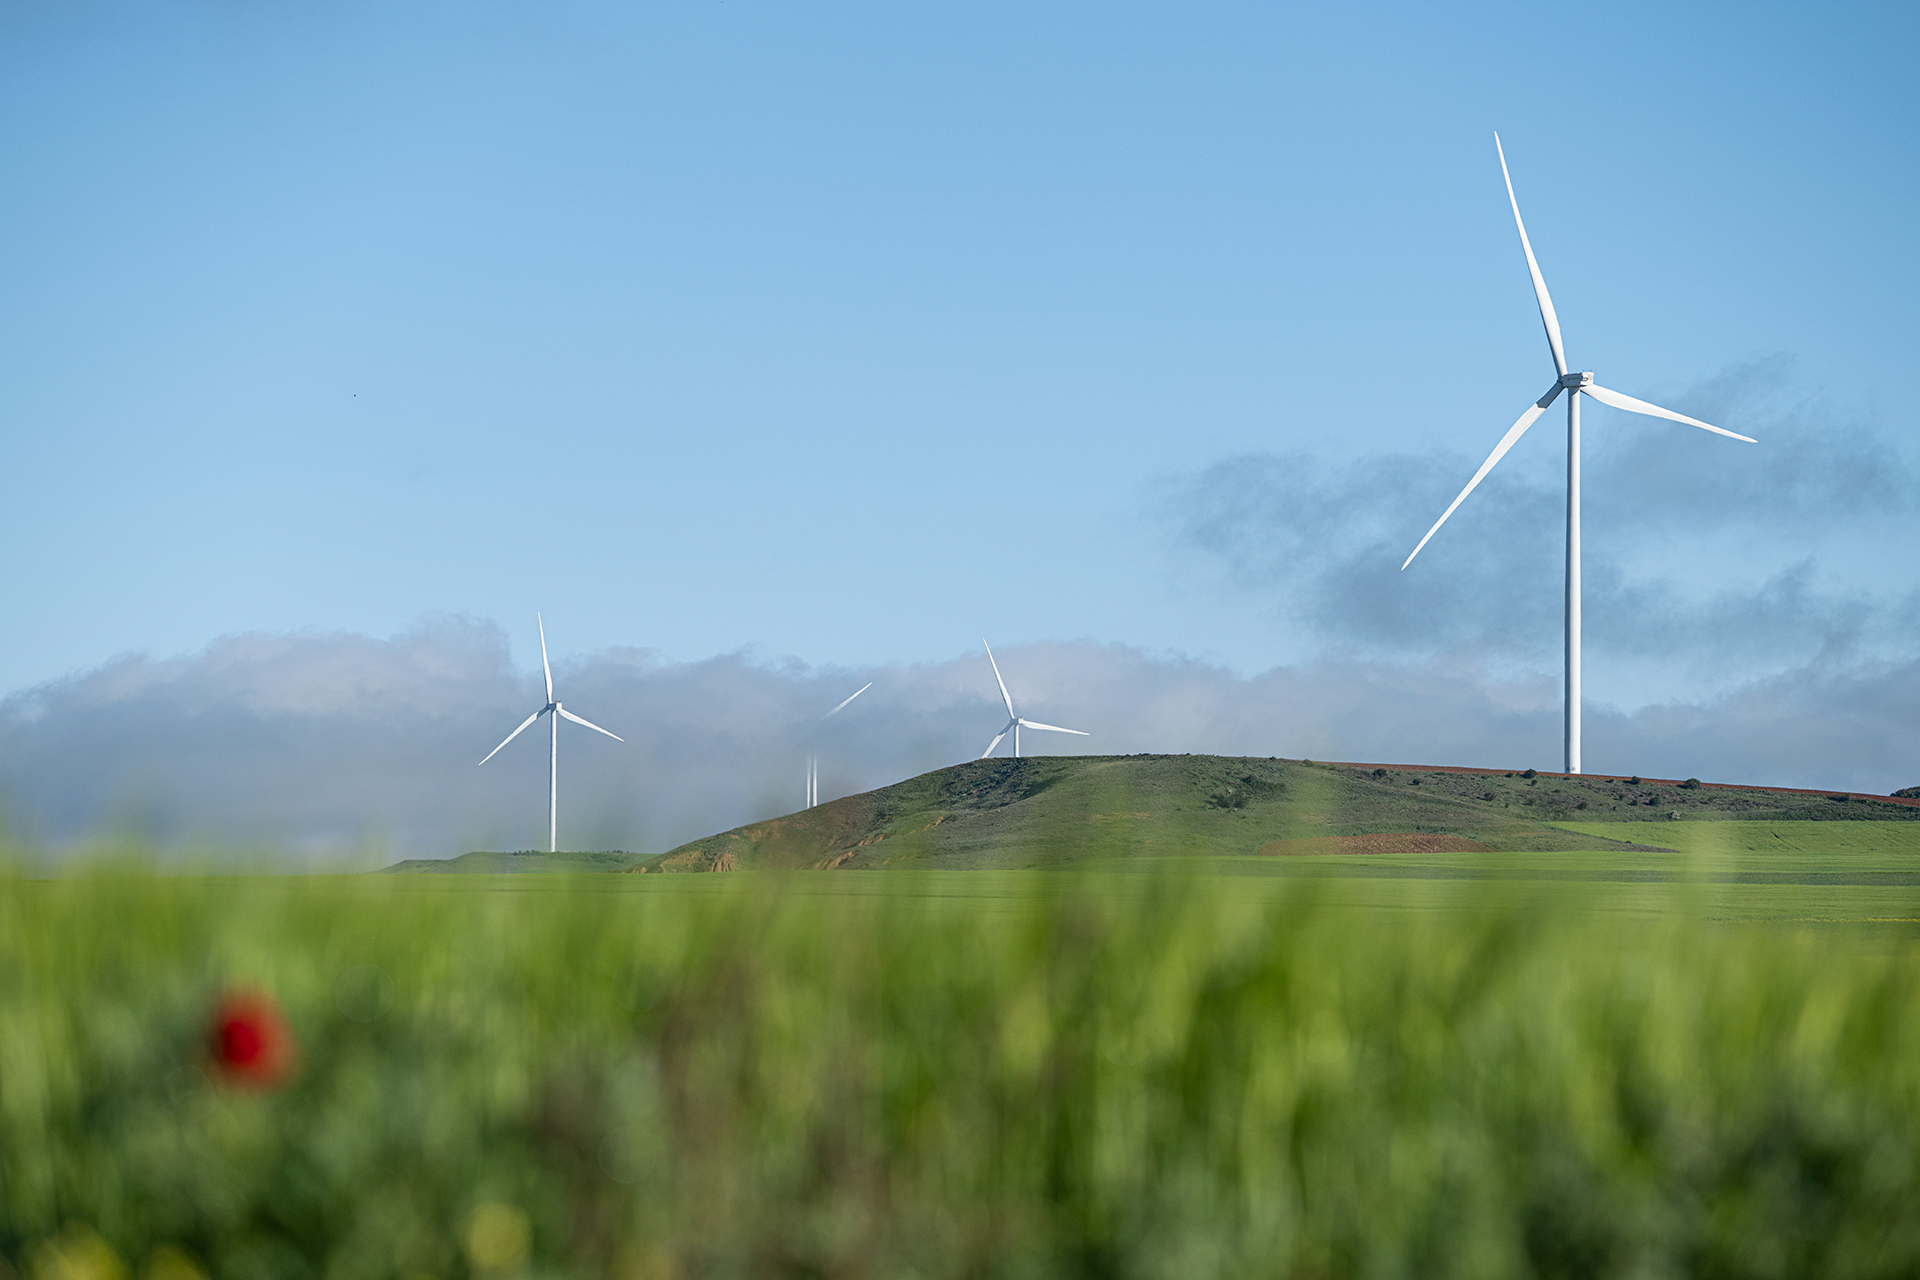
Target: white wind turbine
[(1575, 385), (1014, 722), (553, 755), (813, 761)]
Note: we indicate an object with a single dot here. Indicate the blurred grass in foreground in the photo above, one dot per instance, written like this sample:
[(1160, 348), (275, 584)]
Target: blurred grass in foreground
[(1056, 1075)]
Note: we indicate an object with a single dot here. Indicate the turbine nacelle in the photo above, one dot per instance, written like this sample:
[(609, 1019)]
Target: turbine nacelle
[(1015, 722), (559, 713), (1575, 384)]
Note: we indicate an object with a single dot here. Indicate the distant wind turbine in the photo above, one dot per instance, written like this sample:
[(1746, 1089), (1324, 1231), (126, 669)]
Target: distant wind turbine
[(1014, 722), (1575, 385), (553, 756), (813, 761)]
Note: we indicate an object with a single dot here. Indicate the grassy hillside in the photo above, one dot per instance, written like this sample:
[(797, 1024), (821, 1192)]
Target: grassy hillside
[(1059, 809), (521, 861)]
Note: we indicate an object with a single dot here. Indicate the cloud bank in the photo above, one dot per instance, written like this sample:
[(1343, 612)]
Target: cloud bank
[(1708, 564), (1750, 618), (323, 744)]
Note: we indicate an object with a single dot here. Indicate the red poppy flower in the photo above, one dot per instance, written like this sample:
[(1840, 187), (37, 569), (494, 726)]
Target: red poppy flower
[(250, 1042)]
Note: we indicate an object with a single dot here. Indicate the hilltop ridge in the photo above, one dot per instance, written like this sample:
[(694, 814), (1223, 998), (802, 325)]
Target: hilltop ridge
[(1048, 810)]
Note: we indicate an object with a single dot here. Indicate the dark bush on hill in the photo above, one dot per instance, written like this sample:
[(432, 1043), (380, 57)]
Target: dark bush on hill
[(1691, 784), (1379, 773), (1907, 793), (1530, 774)]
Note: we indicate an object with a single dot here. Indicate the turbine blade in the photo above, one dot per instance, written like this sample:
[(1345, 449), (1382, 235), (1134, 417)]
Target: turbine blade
[(850, 697), (590, 724), (543, 655), (1547, 316), (1631, 405), (1507, 441), (996, 742), (1004, 695), (1034, 724), (516, 733)]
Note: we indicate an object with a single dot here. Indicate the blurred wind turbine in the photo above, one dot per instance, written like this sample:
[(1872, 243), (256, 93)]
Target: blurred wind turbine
[(813, 761), (553, 756), (1014, 722), (1575, 385)]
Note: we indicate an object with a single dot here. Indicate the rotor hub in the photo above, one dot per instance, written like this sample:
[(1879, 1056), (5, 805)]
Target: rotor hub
[(1575, 381)]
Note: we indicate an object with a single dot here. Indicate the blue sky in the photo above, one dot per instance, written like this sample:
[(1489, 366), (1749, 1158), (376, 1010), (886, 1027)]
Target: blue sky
[(852, 332)]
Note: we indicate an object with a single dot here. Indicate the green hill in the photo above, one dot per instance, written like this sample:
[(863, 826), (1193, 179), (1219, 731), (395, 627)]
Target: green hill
[(1045, 810), (1049, 810), (522, 860)]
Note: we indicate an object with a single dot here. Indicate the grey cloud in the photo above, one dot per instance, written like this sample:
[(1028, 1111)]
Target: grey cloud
[(317, 744), (1816, 462), (1695, 546)]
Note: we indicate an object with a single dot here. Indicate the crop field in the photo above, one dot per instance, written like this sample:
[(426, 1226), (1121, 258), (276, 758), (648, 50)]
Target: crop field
[(1786, 846), (1815, 873), (1476, 1064)]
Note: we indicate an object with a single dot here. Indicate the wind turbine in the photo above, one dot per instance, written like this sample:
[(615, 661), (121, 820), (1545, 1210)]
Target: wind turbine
[(813, 761), (553, 756), (1014, 722), (1575, 385)]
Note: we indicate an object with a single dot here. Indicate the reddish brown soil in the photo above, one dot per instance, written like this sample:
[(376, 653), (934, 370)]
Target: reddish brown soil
[(1388, 842)]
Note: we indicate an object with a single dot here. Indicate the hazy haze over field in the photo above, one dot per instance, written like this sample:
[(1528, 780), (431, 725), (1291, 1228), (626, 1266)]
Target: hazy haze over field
[(1144, 340)]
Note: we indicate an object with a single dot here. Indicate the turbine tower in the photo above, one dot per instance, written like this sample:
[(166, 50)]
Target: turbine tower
[(553, 753), (1575, 385), (1014, 722), (813, 761)]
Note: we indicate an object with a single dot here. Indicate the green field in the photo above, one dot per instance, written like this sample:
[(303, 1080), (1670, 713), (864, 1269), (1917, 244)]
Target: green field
[(1806, 872), (1754, 845), (1573, 1063), (1055, 1017)]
